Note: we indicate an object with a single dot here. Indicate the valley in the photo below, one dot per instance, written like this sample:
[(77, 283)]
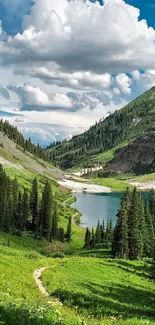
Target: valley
[(60, 282)]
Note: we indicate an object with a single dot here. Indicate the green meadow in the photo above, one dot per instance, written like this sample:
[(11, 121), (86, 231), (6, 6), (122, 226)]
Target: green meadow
[(93, 288)]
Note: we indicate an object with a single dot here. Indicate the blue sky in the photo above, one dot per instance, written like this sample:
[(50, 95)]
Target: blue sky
[(65, 65), (12, 12)]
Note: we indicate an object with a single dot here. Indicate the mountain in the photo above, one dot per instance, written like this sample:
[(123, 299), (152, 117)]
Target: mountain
[(137, 157), (15, 157), (125, 125)]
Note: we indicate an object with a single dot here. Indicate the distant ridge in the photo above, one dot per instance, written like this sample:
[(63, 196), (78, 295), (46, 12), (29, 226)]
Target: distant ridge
[(125, 125)]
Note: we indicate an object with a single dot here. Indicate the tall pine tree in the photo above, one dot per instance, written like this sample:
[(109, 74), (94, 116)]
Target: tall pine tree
[(34, 204), (46, 210)]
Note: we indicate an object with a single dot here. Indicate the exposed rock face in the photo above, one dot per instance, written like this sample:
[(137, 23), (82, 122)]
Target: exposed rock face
[(139, 156)]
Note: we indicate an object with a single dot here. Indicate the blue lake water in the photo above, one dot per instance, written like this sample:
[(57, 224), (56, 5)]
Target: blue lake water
[(96, 207)]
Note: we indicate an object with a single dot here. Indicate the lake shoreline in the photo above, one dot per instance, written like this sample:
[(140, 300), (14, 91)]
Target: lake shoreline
[(77, 187)]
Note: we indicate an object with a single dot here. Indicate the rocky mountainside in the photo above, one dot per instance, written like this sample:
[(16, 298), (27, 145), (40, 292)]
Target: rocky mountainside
[(137, 157)]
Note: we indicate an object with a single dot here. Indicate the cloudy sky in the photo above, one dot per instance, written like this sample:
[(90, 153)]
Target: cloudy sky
[(64, 64)]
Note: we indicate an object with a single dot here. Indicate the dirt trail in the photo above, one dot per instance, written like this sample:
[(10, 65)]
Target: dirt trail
[(37, 275)]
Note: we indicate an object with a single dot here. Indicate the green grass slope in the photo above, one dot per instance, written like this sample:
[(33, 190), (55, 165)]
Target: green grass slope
[(104, 289), (13, 155), (124, 125), (25, 167), (93, 290)]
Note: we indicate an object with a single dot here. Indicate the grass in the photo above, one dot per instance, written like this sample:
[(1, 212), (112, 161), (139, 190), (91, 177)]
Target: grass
[(144, 178), (108, 155), (114, 184), (120, 292), (94, 290), (21, 303)]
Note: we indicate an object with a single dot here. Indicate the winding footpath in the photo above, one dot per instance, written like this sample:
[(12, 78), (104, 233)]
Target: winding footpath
[(37, 275)]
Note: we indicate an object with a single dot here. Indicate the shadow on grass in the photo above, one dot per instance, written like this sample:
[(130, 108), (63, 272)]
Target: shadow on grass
[(142, 270), (111, 300), (97, 253), (10, 315)]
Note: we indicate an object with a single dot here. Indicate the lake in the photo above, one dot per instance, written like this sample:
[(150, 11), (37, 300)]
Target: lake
[(96, 207)]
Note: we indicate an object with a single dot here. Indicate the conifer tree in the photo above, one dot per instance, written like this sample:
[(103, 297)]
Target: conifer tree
[(2, 197), (15, 189), (150, 232), (109, 232), (34, 204), (61, 235), (69, 230), (153, 262), (93, 238), (120, 239), (87, 239), (127, 198), (8, 206), (25, 209), (19, 215), (54, 228), (142, 224), (135, 243), (46, 210), (98, 234), (103, 232), (151, 199)]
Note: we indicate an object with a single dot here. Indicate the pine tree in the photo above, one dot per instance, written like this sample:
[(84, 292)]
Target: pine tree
[(93, 239), (127, 198), (109, 232), (69, 230), (25, 209), (46, 210), (142, 224), (61, 235), (153, 262), (54, 228), (87, 239), (120, 239), (19, 215), (151, 199), (103, 232), (8, 206), (133, 228), (34, 204), (15, 191), (149, 232), (3, 197), (98, 234)]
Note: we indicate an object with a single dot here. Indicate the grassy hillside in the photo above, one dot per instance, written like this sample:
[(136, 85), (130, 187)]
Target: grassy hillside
[(94, 290), (13, 155), (133, 120), (25, 167)]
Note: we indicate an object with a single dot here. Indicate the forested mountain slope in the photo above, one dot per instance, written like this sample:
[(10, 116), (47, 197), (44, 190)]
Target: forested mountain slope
[(13, 134), (130, 122)]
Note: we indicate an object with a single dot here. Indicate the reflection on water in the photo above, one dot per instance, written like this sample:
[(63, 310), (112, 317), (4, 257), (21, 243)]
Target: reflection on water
[(96, 207)]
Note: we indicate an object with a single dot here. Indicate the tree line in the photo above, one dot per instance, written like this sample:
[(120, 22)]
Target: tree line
[(134, 232), (101, 235), (30, 211), (12, 133), (133, 236)]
